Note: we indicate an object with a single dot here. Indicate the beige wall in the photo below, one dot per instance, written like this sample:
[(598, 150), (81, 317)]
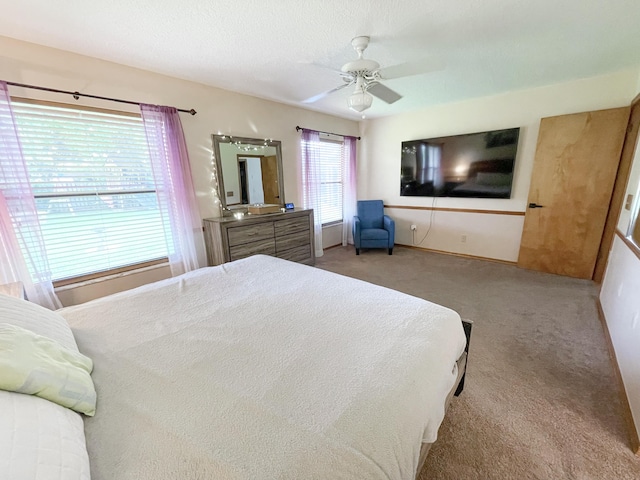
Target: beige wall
[(219, 111), (487, 235), (620, 297), (332, 236)]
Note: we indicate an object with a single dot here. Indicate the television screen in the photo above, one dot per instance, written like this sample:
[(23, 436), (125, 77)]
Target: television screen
[(478, 165)]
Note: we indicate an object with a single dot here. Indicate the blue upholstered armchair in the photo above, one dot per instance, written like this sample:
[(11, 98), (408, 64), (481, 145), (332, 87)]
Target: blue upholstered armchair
[(372, 228)]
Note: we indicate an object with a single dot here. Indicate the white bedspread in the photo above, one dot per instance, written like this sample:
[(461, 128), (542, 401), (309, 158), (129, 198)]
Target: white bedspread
[(264, 369)]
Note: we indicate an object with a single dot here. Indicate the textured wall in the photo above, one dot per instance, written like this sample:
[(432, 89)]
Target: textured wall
[(219, 111), (620, 298), (486, 235)]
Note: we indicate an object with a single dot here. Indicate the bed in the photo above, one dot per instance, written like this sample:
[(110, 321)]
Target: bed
[(264, 368)]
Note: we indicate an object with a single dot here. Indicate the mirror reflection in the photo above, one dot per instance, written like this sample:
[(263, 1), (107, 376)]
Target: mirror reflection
[(249, 171)]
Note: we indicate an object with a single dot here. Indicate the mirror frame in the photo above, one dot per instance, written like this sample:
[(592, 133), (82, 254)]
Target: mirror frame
[(218, 139)]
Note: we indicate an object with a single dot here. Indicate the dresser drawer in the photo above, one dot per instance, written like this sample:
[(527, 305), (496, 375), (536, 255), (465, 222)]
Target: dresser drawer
[(249, 233), (300, 254), (291, 225), (291, 241), (265, 247)]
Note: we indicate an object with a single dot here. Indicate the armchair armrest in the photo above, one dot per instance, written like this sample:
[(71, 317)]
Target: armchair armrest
[(390, 226), (356, 231)]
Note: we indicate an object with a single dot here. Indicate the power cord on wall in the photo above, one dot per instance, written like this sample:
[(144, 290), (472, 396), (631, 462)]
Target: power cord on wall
[(431, 219)]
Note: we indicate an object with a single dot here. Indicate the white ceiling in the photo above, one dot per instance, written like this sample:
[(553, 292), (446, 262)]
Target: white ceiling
[(284, 50)]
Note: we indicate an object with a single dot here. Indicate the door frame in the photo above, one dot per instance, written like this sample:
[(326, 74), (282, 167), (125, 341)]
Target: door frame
[(619, 190)]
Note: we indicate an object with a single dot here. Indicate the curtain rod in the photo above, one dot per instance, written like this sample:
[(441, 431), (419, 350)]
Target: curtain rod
[(77, 95), (329, 133)]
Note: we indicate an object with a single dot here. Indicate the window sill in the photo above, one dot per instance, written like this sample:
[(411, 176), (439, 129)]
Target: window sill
[(108, 277), (633, 246), (332, 224)]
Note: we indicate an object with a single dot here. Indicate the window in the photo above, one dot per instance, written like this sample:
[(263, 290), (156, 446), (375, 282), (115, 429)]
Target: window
[(330, 156), (94, 189), (633, 198), (635, 229)]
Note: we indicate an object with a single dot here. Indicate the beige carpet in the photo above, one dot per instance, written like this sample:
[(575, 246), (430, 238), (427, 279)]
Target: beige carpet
[(541, 399)]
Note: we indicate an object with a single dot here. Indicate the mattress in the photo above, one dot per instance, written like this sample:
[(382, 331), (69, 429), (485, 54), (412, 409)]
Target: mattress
[(264, 368)]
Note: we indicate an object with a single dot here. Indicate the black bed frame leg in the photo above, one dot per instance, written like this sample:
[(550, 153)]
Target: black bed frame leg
[(467, 325)]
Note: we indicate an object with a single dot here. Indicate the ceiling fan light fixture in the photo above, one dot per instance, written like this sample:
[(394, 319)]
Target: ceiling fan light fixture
[(360, 101), (367, 77)]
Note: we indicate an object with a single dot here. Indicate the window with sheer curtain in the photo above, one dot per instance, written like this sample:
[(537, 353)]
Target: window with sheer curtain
[(95, 193), (635, 230), (330, 156)]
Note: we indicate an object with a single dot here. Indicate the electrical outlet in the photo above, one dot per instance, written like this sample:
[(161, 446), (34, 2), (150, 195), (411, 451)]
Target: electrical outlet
[(413, 228), (463, 238)]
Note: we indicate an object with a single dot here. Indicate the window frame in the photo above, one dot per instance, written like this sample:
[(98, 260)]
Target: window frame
[(326, 139), (633, 232), (98, 274)]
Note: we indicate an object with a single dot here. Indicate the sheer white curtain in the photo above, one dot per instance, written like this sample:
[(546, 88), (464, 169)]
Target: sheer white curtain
[(19, 224), (311, 183), (174, 185), (349, 190)]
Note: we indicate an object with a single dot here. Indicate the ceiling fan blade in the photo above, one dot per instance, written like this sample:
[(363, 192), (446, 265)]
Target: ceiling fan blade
[(383, 93), (319, 96), (320, 67), (409, 69)]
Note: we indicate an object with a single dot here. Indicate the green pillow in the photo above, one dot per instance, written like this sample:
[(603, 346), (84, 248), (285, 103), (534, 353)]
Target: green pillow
[(37, 365)]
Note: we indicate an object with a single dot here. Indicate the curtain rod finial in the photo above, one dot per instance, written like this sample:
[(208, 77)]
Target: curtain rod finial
[(192, 111)]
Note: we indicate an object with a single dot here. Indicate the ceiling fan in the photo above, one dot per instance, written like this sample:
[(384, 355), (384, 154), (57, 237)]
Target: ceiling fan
[(366, 76)]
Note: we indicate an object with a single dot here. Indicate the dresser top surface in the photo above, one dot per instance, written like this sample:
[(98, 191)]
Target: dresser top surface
[(254, 217)]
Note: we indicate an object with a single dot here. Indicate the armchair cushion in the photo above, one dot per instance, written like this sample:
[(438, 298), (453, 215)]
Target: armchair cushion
[(375, 234)]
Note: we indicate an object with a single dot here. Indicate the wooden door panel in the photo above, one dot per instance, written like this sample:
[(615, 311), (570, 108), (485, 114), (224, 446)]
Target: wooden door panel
[(573, 175), (269, 167)]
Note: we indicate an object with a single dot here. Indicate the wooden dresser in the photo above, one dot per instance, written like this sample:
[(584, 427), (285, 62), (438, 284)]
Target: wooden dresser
[(286, 235)]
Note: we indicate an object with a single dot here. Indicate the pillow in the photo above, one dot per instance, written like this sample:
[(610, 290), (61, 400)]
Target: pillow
[(494, 179), (40, 440), (19, 312), (37, 365)]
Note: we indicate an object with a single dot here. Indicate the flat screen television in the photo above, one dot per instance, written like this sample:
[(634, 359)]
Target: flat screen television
[(476, 165)]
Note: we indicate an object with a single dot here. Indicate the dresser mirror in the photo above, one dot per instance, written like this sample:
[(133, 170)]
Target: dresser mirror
[(249, 171)]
